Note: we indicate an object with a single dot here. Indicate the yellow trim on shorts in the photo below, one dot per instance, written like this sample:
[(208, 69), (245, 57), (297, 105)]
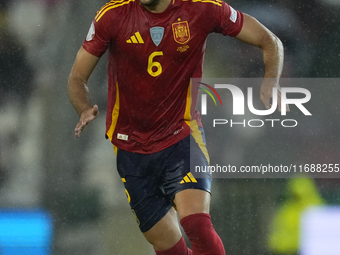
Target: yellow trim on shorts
[(197, 134)]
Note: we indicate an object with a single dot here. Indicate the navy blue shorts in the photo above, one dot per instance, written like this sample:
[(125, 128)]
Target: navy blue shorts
[(152, 180)]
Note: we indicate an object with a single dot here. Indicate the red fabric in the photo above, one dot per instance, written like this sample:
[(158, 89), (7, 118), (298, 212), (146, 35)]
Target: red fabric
[(201, 233), (153, 77), (178, 249)]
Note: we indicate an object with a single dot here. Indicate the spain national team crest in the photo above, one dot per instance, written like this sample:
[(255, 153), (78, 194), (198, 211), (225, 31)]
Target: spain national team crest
[(181, 32)]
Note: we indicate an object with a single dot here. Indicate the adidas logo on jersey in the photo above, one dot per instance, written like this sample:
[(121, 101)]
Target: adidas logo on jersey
[(136, 38), (188, 178)]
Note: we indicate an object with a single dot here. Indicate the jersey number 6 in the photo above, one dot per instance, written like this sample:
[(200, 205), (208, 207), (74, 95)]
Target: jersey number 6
[(152, 64)]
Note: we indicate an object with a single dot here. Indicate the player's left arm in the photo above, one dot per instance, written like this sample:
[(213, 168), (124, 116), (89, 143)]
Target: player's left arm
[(253, 32)]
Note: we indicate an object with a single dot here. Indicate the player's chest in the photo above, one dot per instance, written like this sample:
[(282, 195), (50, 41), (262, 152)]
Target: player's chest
[(174, 37)]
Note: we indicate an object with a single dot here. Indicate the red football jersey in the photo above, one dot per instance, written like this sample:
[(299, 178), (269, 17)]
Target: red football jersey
[(152, 57)]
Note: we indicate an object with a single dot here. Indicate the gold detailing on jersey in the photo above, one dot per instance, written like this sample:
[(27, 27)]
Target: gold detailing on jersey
[(181, 32), (183, 48), (115, 113), (187, 113), (217, 2), (155, 64), (123, 180), (188, 178), (111, 5), (137, 38)]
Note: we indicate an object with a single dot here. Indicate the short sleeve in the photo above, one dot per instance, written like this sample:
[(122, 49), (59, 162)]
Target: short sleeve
[(228, 20), (97, 39)]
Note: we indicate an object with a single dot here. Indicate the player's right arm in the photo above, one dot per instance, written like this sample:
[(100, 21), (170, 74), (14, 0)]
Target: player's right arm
[(95, 45), (78, 91)]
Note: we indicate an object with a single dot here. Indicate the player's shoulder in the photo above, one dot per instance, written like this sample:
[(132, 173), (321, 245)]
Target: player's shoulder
[(201, 3), (115, 8), (207, 2), (202, 7)]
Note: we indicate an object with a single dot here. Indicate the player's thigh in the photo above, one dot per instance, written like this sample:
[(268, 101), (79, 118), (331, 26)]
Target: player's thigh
[(192, 201), (165, 233), (189, 190), (147, 200)]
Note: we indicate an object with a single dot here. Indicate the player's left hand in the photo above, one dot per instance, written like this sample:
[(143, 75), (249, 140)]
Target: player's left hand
[(267, 94), (85, 118)]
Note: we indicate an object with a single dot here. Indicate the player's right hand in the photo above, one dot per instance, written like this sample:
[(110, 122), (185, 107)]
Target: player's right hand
[(85, 118)]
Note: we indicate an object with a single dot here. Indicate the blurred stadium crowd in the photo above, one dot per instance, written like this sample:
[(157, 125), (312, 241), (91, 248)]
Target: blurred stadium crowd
[(42, 165)]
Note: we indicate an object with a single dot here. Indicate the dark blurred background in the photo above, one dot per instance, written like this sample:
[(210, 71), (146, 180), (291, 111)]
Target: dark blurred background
[(43, 166)]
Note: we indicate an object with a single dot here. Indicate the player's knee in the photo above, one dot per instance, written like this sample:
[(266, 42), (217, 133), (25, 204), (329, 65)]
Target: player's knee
[(180, 248), (161, 243), (165, 233), (158, 242)]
